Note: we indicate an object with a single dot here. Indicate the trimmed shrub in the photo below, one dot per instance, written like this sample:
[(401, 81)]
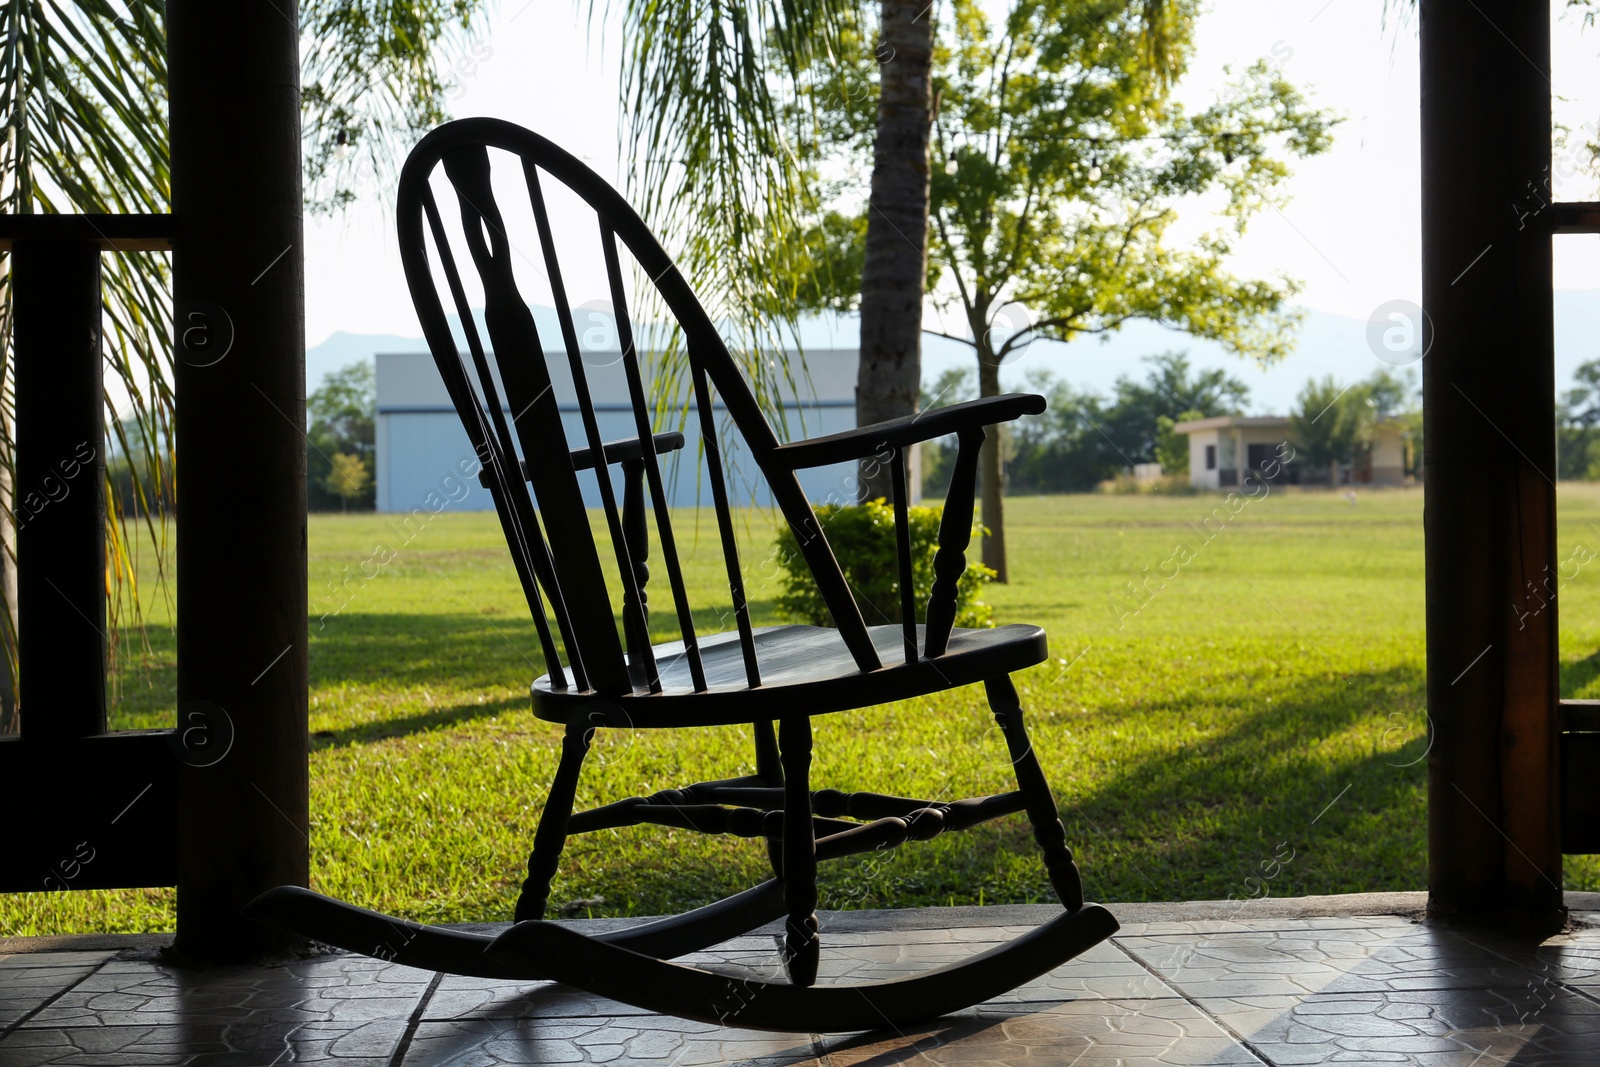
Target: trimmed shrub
[(863, 540)]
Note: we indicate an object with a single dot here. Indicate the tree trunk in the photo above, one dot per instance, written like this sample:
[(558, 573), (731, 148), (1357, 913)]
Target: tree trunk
[(889, 376), (991, 468)]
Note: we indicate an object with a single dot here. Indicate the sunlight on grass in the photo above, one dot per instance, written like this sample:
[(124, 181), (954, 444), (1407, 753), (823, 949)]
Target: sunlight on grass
[(1265, 702)]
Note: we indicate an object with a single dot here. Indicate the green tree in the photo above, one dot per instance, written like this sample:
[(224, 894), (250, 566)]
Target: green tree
[(1060, 162), (1066, 449), (1172, 448), (1331, 423), (1578, 423), (1387, 395), (1082, 439), (83, 89), (1170, 391), (711, 90), (341, 417), (348, 479)]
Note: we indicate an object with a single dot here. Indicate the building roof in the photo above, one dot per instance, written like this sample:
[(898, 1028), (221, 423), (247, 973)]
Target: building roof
[(1269, 422), (1227, 422), (410, 381)]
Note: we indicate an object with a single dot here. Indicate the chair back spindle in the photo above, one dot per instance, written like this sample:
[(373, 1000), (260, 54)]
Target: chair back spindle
[(652, 466), (632, 598), (536, 416), (491, 439), (719, 498), (505, 392)]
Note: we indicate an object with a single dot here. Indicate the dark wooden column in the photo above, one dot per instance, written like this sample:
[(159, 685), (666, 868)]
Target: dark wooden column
[(60, 489), (1494, 851), (238, 287)]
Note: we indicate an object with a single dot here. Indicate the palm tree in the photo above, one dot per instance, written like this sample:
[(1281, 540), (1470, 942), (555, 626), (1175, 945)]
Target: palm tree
[(83, 86), (895, 267), (719, 180)]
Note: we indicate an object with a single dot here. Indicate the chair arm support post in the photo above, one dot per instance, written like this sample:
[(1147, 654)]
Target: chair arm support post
[(902, 535), (955, 533)]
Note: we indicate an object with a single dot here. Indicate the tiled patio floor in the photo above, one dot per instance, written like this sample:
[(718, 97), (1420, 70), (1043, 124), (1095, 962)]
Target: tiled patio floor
[(1270, 982)]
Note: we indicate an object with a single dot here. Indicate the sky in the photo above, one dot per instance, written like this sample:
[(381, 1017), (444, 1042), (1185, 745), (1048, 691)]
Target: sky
[(1350, 234)]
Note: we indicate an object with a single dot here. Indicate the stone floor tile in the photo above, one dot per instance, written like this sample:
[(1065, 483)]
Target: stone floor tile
[(345, 990), (1432, 1028), (1243, 923), (1573, 957), (27, 989), (1366, 990), (1098, 1033), (52, 959), (369, 1044), (1317, 961), (622, 1041), (1104, 971), (460, 997)]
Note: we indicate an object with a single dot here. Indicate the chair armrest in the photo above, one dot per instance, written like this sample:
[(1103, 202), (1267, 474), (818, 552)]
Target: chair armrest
[(630, 448), (896, 433), (614, 451)]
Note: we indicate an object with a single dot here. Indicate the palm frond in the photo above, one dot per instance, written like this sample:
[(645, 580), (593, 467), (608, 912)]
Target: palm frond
[(712, 169), (83, 95)]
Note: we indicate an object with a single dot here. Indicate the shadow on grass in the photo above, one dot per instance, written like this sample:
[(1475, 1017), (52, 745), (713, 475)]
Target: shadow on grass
[(1316, 791), (405, 725), (465, 650), (1259, 810), (459, 651), (1577, 675)]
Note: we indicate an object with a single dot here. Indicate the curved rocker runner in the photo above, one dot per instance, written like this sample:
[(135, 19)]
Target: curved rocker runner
[(516, 395)]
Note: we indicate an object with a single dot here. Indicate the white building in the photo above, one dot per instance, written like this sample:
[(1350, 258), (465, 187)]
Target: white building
[(420, 441), (1224, 445)]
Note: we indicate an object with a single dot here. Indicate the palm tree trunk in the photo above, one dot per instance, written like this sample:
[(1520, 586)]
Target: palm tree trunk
[(889, 376), (991, 469)]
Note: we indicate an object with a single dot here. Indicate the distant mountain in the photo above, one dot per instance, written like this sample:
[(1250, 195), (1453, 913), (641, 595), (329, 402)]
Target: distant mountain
[(342, 349), (1328, 343)]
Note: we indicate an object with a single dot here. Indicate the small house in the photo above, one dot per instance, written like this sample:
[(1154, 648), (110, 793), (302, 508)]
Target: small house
[(1225, 449)]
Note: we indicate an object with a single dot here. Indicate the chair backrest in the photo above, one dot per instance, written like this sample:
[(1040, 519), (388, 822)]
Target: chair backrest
[(548, 531)]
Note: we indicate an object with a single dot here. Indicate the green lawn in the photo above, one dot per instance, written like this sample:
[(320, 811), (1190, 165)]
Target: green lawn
[(1261, 714)]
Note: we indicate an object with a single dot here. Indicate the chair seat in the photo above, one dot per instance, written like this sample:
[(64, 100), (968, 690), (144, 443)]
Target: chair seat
[(804, 669)]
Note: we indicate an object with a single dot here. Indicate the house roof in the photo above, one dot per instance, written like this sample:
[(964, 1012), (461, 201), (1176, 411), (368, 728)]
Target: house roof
[(1226, 422), (1268, 422)]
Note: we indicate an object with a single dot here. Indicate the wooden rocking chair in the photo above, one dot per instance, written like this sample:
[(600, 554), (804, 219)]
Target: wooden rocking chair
[(753, 676)]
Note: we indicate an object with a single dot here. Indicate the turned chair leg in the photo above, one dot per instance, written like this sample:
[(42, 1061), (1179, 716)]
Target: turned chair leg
[(802, 947), (551, 837), (769, 768), (1041, 805)]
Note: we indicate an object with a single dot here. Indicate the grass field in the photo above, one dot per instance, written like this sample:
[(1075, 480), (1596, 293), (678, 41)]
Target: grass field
[(1255, 727)]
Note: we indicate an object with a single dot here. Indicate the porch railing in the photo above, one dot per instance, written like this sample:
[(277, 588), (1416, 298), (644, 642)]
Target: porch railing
[(88, 809)]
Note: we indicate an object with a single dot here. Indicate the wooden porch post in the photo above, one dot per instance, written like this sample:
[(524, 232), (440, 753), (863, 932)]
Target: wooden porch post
[(1494, 849), (238, 287)]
